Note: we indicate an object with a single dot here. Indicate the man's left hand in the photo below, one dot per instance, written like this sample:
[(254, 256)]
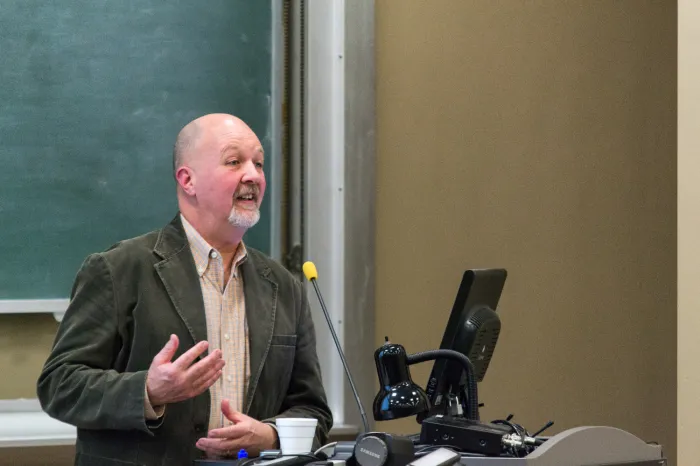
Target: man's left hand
[(245, 432)]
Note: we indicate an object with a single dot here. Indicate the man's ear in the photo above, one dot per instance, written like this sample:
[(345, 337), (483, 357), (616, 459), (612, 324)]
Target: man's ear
[(185, 179)]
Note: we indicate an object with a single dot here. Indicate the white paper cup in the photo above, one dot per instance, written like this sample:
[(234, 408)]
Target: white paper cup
[(296, 434)]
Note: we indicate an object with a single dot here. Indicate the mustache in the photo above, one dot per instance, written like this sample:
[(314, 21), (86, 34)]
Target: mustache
[(248, 189)]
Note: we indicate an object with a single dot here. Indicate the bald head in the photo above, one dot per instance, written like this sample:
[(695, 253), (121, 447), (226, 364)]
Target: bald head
[(218, 163), (198, 130)]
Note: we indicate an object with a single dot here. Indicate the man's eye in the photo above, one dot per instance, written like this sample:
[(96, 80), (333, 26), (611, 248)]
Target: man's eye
[(232, 162), (259, 164)]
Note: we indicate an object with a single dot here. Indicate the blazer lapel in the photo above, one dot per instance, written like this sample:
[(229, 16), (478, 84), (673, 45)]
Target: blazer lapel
[(260, 305), (178, 273)]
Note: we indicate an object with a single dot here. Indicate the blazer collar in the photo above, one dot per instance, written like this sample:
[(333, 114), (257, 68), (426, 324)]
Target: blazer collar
[(260, 292), (179, 275)]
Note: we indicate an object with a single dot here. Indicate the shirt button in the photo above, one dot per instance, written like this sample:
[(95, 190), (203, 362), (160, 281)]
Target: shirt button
[(214, 254), (226, 337), (229, 378)]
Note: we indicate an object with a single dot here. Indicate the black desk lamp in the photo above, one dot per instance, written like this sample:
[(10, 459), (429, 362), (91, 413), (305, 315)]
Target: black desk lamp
[(470, 336), (399, 396)]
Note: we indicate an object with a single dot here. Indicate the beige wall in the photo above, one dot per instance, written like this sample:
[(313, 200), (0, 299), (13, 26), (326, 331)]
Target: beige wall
[(688, 230), (25, 342), (537, 136)]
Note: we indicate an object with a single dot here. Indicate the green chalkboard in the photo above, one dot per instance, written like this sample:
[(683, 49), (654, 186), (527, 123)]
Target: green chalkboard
[(92, 95)]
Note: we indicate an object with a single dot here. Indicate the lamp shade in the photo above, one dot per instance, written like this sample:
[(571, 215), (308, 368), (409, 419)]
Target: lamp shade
[(398, 395)]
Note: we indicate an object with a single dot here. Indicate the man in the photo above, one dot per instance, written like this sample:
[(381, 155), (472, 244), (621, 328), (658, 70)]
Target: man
[(184, 343)]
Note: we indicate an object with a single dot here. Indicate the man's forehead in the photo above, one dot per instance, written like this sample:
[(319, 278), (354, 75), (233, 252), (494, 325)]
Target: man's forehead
[(238, 147)]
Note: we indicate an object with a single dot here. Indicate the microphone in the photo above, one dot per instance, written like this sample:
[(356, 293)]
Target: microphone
[(312, 274)]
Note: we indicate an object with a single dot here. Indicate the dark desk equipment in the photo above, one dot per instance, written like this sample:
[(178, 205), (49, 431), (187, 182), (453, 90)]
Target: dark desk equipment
[(398, 395), (450, 419), (471, 335), (579, 446), (468, 435), (439, 457), (472, 329), (467, 346), (382, 449), (451, 430)]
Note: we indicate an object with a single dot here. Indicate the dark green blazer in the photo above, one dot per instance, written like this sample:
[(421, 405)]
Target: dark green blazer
[(124, 305)]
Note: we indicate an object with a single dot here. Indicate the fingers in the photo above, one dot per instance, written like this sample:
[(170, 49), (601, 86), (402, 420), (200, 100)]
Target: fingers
[(213, 362), (233, 432), (202, 384), (206, 380), (230, 413), (218, 446), (187, 358), (210, 372), (168, 351), (227, 410)]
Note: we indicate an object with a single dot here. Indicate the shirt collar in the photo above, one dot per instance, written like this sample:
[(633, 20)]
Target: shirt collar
[(203, 252)]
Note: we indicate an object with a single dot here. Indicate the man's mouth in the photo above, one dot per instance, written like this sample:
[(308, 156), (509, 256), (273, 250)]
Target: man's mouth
[(247, 195)]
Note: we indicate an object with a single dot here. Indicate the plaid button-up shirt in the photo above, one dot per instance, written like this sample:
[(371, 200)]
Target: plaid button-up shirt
[(227, 328)]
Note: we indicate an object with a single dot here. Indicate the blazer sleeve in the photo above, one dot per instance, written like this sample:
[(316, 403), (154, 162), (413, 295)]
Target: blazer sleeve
[(78, 384), (306, 396)]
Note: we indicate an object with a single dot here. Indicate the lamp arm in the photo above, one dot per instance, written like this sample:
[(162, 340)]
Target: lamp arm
[(472, 393)]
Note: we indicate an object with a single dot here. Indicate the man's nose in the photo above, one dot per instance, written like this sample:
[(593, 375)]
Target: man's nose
[(252, 174)]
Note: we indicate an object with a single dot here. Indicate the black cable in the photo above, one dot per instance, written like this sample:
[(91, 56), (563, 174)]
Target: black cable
[(472, 394), (526, 447), (546, 426), (521, 432)]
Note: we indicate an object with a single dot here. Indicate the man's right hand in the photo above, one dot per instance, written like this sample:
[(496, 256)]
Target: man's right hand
[(170, 382)]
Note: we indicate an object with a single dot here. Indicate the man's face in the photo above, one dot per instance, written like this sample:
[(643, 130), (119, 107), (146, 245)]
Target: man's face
[(228, 175)]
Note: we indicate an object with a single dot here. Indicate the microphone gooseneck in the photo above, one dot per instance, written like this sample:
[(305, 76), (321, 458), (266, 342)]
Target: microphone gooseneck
[(311, 274)]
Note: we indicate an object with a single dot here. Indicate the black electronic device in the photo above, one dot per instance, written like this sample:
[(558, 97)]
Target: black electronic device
[(467, 435), (383, 449), (438, 457), (472, 329)]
